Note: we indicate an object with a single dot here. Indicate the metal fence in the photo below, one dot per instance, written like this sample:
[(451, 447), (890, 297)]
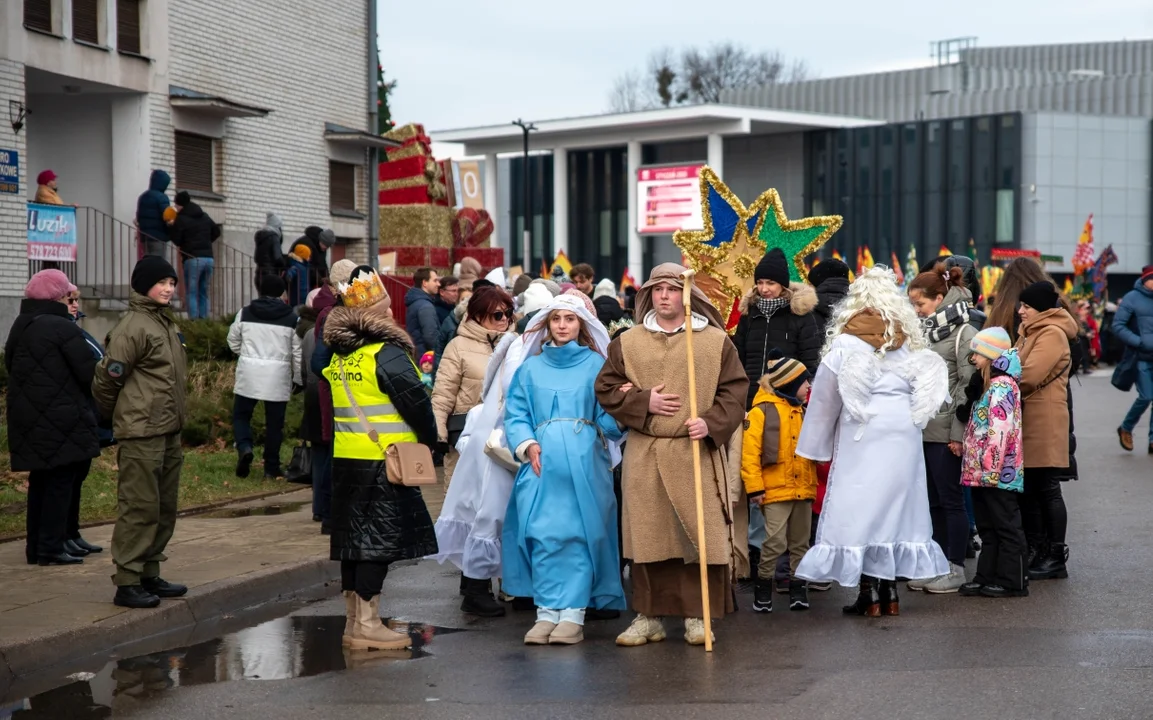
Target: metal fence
[(107, 250)]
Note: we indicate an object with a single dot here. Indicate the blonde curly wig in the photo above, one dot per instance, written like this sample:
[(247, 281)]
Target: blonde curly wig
[(877, 290)]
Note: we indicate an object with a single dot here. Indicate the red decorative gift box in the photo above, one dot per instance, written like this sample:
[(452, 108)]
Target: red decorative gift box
[(406, 196), (406, 168), (418, 256), (488, 258)]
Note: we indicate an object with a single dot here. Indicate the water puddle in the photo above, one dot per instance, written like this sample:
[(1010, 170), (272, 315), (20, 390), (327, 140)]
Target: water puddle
[(280, 649), (263, 510)]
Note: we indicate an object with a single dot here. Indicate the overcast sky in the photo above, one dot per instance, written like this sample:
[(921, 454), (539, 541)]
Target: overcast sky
[(464, 63)]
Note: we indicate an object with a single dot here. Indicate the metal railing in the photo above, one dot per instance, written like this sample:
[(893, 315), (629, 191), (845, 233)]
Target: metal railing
[(397, 288), (107, 250)]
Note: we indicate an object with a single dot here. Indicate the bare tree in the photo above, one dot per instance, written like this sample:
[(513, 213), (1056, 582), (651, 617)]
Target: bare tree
[(628, 93), (702, 75)]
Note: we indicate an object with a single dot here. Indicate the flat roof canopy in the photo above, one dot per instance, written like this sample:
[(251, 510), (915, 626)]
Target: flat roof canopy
[(650, 126)]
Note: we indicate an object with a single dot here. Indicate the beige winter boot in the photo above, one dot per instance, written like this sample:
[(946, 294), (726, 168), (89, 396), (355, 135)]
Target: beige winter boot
[(695, 631), (349, 618), (369, 633)]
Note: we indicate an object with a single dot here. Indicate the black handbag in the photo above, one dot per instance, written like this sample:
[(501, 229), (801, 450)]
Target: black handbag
[(1125, 373), (300, 466), (455, 428)]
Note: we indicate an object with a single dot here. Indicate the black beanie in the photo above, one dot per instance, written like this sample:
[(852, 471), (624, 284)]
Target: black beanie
[(183, 198), (271, 286), (773, 266), (1040, 296), (825, 269), (150, 270)]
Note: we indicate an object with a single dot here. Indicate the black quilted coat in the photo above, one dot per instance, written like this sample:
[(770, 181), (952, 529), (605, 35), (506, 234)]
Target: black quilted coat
[(372, 519), (793, 330), (50, 366)]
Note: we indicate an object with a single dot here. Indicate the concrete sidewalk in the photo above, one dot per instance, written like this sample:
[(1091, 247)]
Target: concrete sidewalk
[(231, 558)]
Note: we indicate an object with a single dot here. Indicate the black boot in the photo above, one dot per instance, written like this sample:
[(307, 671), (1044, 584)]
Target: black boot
[(1037, 553), (135, 596), (798, 594), (85, 545), (74, 550), (61, 559), (763, 595), (1051, 564), (478, 599), (162, 588), (463, 585), (868, 600), (890, 603)]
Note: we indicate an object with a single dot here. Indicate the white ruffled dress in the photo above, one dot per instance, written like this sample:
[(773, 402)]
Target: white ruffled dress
[(866, 414)]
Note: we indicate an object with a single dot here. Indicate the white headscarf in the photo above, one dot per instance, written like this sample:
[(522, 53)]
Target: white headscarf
[(535, 333)]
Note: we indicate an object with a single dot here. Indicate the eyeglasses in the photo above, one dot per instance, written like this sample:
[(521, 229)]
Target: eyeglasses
[(71, 300), (501, 315)]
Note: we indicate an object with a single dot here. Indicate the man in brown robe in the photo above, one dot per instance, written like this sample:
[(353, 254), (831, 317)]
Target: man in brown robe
[(644, 385)]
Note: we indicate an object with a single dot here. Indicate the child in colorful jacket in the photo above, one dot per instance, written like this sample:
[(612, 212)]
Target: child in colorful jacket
[(992, 467)]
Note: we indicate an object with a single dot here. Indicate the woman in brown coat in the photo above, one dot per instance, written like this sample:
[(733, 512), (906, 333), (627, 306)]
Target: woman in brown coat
[(460, 375), (1045, 332)]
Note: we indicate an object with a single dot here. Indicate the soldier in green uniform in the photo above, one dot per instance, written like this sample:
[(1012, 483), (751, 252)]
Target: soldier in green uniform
[(140, 384)]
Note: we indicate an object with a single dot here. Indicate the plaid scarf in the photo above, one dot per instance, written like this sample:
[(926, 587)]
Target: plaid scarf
[(940, 325), (769, 306)]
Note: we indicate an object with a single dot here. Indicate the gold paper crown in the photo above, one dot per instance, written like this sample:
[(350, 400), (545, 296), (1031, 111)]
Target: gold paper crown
[(364, 291)]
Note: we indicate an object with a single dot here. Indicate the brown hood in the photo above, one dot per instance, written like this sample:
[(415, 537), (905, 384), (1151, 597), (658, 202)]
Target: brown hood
[(802, 298), (475, 331), (348, 329), (869, 326), (1057, 317), (671, 273)]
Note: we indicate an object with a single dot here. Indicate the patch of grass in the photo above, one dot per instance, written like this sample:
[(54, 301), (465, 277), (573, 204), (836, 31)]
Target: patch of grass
[(208, 476)]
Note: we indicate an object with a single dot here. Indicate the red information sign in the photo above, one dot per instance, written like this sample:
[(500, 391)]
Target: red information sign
[(668, 199)]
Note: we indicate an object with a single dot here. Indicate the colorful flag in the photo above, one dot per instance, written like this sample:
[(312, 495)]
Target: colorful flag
[(1068, 289), (1101, 269), (1084, 255), (972, 251), (561, 260), (860, 261), (627, 281), (868, 257), (897, 270), (543, 269), (990, 276), (911, 266), (837, 256)]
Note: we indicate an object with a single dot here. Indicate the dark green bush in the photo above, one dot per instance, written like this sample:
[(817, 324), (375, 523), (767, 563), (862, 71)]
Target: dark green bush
[(206, 340), (209, 417)]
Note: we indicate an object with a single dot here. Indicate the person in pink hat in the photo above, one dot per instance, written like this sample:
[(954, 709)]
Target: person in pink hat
[(46, 189), (52, 431)]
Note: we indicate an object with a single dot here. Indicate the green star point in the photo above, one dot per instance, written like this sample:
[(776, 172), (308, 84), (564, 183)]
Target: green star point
[(798, 239)]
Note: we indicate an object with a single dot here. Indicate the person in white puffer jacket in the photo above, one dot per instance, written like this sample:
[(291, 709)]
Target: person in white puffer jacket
[(268, 371)]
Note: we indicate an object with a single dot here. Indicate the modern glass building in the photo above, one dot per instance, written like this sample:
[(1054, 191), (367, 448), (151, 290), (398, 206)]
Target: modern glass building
[(1009, 147)]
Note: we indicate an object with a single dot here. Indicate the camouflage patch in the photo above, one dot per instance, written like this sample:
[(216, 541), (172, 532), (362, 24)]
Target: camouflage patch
[(115, 369), (747, 424)]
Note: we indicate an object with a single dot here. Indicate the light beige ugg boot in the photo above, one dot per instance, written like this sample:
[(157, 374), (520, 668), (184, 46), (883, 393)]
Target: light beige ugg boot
[(369, 633), (349, 618)]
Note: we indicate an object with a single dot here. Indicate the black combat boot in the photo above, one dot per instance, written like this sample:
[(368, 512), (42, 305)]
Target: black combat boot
[(1051, 565), (868, 599), (478, 599), (798, 594)]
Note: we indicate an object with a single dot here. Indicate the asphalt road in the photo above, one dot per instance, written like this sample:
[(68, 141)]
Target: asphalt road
[(1077, 648)]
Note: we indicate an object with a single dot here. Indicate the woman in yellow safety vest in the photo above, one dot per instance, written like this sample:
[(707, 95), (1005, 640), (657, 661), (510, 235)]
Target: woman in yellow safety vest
[(374, 522)]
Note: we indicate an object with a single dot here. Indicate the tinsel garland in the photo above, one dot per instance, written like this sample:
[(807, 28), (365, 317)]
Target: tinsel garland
[(423, 225), (405, 132), (408, 151)]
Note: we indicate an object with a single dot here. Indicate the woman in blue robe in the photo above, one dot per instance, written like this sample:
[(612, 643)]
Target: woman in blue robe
[(560, 541)]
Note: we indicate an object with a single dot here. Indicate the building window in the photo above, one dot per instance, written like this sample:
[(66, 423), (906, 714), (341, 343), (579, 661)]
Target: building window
[(38, 15), (194, 155), (128, 26), (341, 186), (86, 21)]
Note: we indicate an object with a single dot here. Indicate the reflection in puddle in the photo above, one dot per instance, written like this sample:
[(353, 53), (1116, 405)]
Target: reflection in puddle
[(281, 509), (281, 649)]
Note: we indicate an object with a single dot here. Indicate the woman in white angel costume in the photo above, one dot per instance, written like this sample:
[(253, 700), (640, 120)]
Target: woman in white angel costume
[(468, 532), (877, 387)]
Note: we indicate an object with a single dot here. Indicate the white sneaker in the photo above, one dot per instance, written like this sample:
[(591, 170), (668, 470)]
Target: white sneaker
[(695, 631), (950, 583), (642, 631), (919, 585)]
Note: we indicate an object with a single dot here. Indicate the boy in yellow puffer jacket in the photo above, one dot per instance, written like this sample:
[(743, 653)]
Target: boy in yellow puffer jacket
[(783, 484)]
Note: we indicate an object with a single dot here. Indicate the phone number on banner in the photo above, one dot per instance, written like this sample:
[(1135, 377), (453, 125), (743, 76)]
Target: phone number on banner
[(60, 252)]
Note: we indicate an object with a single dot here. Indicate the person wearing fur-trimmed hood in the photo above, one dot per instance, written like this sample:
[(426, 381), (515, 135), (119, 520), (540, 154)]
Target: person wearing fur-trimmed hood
[(876, 389), (776, 314)]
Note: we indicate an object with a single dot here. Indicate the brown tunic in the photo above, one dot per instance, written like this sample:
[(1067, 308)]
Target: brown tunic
[(659, 524)]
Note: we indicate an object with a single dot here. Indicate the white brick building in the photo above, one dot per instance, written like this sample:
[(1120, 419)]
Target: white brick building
[(251, 106)]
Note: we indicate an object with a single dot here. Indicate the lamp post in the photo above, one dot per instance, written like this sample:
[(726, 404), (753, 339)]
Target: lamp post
[(526, 251)]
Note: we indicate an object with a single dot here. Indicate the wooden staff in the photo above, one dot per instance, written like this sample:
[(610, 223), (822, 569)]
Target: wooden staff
[(687, 297)]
